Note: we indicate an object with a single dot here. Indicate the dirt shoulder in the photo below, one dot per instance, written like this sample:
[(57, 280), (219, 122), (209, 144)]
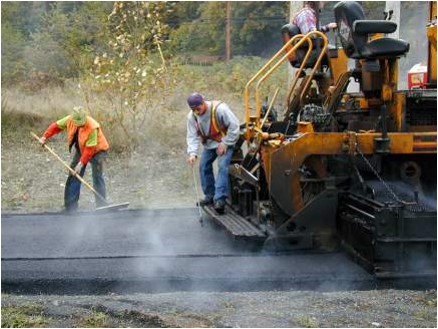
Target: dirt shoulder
[(382, 308)]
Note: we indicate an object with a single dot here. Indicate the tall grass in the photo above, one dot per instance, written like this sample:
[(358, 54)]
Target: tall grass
[(227, 81), (16, 123), (165, 112)]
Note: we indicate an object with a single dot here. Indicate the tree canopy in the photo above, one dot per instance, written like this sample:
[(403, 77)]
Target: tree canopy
[(55, 41), (62, 39)]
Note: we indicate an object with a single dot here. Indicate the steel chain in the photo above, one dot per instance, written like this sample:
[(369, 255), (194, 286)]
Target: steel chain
[(395, 197)]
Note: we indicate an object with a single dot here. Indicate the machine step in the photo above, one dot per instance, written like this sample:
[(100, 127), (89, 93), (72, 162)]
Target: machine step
[(235, 224)]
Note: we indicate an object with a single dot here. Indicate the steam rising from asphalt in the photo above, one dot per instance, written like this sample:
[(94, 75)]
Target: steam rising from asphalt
[(168, 250), (158, 251), (177, 253)]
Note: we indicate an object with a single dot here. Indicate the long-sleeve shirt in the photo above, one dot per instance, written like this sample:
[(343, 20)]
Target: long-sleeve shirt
[(225, 118), (305, 19), (90, 144)]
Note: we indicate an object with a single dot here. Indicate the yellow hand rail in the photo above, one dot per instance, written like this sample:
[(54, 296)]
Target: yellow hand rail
[(246, 91), (305, 38), (271, 104), (318, 62), (312, 73), (302, 39)]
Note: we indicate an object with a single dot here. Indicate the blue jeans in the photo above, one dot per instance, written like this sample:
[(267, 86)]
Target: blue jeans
[(73, 185), (215, 188)]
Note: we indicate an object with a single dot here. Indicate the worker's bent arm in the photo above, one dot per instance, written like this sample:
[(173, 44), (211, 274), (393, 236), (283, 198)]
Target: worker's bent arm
[(56, 127)]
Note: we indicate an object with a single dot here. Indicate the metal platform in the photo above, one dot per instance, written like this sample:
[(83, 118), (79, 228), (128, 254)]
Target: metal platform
[(235, 224)]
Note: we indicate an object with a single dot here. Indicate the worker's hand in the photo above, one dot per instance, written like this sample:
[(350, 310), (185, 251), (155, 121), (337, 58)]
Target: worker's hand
[(43, 140), (332, 26), (191, 159), (78, 168), (221, 149)]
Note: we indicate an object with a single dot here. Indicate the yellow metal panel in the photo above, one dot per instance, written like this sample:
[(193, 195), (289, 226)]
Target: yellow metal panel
[(305, 127), (286, 160), (308, 144), (338, 65), (363, 103), (431, 35), (395, 109)]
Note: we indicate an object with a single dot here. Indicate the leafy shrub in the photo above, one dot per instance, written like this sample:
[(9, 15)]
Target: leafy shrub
[(132, 72)]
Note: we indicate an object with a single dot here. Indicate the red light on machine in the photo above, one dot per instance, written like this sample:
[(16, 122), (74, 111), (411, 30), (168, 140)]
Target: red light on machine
[(417, 77)]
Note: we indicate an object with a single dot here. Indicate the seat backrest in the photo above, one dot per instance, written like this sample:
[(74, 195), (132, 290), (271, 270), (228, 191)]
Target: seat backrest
[(346, 13), (288, 31)]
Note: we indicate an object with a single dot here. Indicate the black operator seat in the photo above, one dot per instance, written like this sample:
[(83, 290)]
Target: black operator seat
[(354, 30), (290, 30)]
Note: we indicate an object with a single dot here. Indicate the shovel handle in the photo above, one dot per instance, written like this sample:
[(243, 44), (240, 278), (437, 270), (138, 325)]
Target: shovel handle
[(74, 173)]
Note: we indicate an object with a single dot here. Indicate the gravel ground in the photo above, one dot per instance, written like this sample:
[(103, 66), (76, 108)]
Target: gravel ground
[(377, 308), (32, 180)]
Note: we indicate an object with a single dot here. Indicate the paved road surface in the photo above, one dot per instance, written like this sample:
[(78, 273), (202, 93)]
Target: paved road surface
[(153, 251)]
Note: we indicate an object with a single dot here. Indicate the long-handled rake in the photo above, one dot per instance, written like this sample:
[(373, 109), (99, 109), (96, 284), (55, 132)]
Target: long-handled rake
[(108, 207)]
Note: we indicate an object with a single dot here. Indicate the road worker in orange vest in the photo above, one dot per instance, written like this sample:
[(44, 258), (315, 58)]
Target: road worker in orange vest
[(214, 125), (90, 145)]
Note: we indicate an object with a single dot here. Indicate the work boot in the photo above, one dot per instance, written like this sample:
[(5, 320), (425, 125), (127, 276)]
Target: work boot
[(206, 201), (219, 206)]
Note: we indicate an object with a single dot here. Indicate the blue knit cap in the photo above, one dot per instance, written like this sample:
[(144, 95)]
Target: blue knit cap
[(194, 100)]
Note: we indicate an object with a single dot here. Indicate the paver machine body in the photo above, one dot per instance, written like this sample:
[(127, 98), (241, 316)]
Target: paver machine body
[(355, 170)]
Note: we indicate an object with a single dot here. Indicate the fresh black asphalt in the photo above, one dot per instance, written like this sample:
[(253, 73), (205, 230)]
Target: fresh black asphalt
[(154, 251)]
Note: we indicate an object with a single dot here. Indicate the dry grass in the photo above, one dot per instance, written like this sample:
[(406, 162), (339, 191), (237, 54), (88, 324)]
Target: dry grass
[(94, 320), (305, 321), (51, 101), (30, 315), (151, 174)]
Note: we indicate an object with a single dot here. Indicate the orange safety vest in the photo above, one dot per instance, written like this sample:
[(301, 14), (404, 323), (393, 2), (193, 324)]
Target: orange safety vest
[(84, 133), (216, 131)]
